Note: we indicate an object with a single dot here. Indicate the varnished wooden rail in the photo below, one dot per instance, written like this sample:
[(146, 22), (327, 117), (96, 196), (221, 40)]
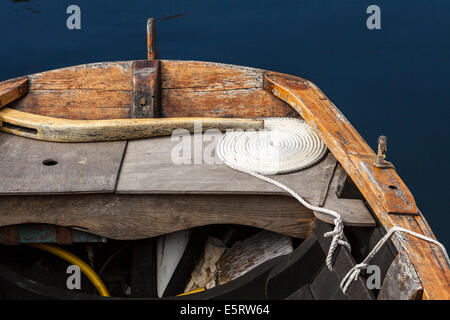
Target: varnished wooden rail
[(383, 189)]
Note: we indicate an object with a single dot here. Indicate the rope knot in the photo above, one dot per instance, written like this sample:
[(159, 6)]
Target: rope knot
[(352, 275), (338, 239)]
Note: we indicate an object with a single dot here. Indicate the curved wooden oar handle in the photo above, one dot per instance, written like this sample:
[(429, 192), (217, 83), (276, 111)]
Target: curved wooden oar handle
[(63, 130)]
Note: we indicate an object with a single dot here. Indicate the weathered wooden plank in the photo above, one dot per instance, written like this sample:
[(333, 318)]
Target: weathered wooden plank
[(249, 286), (223, 103), (401, 281), (246, 255), (11, 90), (153, 166), (427, 259), (189, 88), (196, 75), (76, 104), (90, 91), (382, 188), (29, 166), (129, 217), (353, 211), (192, 88), (110, 76), (150, 166), (146, 90), (327, 175), (65, 130)]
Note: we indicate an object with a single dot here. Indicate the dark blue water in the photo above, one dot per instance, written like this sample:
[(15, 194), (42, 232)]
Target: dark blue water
[(393, 81)]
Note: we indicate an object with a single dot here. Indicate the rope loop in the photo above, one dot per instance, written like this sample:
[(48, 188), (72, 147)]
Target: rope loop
[(354, 272), (338, 239)]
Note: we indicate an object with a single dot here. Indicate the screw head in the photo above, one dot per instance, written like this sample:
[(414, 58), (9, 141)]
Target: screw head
[(143, 101)]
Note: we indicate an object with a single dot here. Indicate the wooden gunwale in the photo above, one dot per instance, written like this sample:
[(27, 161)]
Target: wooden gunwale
[(382, 188)]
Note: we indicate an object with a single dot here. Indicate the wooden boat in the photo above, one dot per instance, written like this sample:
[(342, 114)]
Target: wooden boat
[(127, 190)]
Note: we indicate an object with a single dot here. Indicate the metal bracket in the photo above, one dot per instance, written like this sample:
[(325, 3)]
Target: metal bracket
[(381, 162)]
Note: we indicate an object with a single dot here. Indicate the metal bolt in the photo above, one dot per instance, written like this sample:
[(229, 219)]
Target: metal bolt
[(143, 101)]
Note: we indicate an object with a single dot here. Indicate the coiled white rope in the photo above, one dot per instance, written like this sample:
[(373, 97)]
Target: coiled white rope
[(354, 272), (286, 145)]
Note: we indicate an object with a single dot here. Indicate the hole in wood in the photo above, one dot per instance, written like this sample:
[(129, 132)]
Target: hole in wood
[(49, 162), (393, 187), (19, 128)]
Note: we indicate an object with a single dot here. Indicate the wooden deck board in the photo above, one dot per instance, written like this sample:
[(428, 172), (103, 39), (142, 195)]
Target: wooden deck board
[(148, 168), (80, 168)]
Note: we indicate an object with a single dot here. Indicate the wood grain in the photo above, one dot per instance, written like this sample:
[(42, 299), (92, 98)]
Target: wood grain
[(222, 103), (246, 255), (107, 76), (11, 90), (192, 89), (401, 281), (193, 75), (189, 89), (353, 211), (76, 104), (129, 217), (383, 189), (27, 166), (146, 89), (90, 91), (152, 51), (148, 167)]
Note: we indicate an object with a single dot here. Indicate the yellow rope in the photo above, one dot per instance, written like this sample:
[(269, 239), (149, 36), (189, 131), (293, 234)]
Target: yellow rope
[(85, 268), (190, 292)]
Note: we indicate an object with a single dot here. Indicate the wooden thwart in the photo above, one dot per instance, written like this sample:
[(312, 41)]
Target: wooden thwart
[(155, 172), (129, 217)]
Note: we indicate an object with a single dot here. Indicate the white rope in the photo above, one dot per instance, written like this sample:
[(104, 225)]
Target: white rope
[(354, 272), (295, 147), (284, 145)]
